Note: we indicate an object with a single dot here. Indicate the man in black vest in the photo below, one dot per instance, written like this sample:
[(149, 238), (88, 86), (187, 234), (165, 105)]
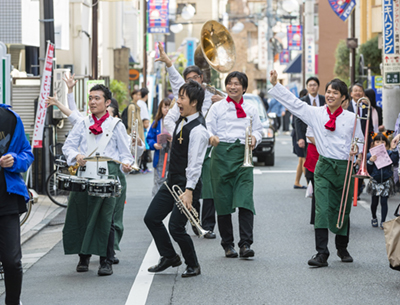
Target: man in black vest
[(189, 144)]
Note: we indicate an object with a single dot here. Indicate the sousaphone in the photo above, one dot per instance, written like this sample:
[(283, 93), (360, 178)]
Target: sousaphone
[(216, 49)]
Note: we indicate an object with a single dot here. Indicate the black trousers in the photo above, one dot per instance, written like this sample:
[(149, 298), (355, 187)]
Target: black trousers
[(161, 205), (321, 240), (10, 253), (110, 246), (207, 213), (310, 177), (246, 223)]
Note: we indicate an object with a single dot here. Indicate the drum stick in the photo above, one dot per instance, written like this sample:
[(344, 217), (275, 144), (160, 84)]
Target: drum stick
[(165, 165), (119, 162)]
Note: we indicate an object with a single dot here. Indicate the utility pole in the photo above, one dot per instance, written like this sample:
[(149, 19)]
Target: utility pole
[(353, 49), (144, 72), (270, 58), (95, 41)]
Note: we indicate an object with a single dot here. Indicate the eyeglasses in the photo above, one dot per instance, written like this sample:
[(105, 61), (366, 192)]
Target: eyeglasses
[(196, 77)]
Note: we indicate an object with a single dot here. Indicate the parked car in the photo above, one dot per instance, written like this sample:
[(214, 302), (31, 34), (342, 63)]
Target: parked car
[(265, 151)]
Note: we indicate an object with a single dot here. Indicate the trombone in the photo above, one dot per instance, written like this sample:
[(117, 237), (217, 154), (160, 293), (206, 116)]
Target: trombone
[(191, 215), (134, 134), (362, 172)]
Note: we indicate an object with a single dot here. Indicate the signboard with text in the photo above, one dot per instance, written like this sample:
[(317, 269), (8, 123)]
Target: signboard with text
[(391, 42), (262, 44), (158, 19), (310, 55), (45, 86), (190, 49), (284, 57)]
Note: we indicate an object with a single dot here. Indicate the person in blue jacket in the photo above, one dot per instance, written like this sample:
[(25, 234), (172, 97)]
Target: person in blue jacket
[(160, 150), (381, 183), (15, 158), (276, 107)]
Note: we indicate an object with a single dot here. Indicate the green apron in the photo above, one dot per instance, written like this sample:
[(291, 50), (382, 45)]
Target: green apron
[(88, 221), (119, 211), (232, 184), (329, 179), (206, 191)]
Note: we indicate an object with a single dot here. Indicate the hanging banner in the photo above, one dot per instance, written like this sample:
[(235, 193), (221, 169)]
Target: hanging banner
[(284, 57), (190, 48), (44, 93), (342, 8), (310, 55), (158, 18), (295, 37), (262, 44), (391, 43)]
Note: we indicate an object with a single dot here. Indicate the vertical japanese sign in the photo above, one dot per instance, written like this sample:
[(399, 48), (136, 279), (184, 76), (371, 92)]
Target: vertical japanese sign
[(190, 48), (391, 43), (294, 37), (158, 19), (310, 55), (284, 57), (262, 44), (44, 93), (342, 8)]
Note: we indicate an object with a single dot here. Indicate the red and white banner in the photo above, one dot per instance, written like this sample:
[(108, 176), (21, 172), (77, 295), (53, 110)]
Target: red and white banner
[(44, 93)]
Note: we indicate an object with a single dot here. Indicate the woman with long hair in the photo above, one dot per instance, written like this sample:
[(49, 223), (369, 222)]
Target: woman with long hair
[(376, 111), (160, 160)]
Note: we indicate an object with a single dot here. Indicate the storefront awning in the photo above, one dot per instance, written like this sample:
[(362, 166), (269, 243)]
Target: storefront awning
[(294, 66)]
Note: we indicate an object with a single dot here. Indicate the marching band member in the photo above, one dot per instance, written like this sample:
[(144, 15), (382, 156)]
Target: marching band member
[(89, 219), (233, 184), (176, 80), (333, 129), (189, 144), (74, 117)]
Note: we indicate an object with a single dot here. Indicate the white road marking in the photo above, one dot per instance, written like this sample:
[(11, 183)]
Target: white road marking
[(141, 286)]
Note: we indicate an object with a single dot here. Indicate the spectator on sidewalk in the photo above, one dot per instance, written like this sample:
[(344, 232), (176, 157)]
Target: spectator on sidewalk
[(15, 158), (279, 110)]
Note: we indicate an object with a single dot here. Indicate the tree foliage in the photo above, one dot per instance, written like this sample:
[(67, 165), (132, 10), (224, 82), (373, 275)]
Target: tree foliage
[(372, 55), (119, 91), (342, 63)]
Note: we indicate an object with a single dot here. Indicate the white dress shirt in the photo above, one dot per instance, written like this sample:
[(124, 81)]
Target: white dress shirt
[(316, 98), (176, 80), (76, 117), (198, 141), (330, 144), (144, 111), (222, 121)]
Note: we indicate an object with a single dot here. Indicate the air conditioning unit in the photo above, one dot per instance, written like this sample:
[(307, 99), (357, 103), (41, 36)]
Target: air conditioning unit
[(60, 90)]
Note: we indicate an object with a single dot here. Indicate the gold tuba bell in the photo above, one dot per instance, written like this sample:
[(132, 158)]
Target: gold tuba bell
[(216, 49)]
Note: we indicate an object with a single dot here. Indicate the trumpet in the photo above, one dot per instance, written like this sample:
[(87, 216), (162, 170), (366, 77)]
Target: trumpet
[(362, 172), (134, 147), (248, 153), (191, 215)]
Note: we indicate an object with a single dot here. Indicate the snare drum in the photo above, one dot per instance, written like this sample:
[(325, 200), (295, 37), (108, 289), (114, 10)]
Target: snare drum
[(71, 183), (104, 188)]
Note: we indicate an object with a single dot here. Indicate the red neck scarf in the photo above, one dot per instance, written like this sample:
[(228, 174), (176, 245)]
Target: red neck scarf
[(331, 124), (239, 110), (96, 127)]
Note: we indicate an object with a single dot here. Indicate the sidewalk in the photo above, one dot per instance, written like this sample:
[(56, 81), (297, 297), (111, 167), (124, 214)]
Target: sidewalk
[(42, 213)]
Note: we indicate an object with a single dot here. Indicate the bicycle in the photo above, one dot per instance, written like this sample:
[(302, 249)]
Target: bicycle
[(33, 197), (56, 195)]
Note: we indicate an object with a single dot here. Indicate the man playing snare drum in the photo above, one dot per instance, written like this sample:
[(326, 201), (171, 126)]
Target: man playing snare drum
[(89, 218)]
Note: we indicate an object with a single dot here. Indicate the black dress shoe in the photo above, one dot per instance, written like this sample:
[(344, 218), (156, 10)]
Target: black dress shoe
[(83, 265), (105, 268), (245, 251), (230, 252), (115, 260), (165, 263), (345, 256), (210, 235), (319, 260), (191, 271)]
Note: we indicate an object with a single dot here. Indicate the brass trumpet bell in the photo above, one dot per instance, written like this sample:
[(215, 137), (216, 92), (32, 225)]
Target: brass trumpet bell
[(216, 48)]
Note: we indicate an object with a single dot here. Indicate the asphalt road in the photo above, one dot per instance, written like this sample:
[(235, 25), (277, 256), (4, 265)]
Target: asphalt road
[(278, 274)]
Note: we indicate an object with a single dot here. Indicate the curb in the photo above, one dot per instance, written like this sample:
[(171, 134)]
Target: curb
[(41, 225)]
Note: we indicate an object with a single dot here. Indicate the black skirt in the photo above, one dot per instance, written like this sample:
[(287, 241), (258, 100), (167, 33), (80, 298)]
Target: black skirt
[(299, 152)]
